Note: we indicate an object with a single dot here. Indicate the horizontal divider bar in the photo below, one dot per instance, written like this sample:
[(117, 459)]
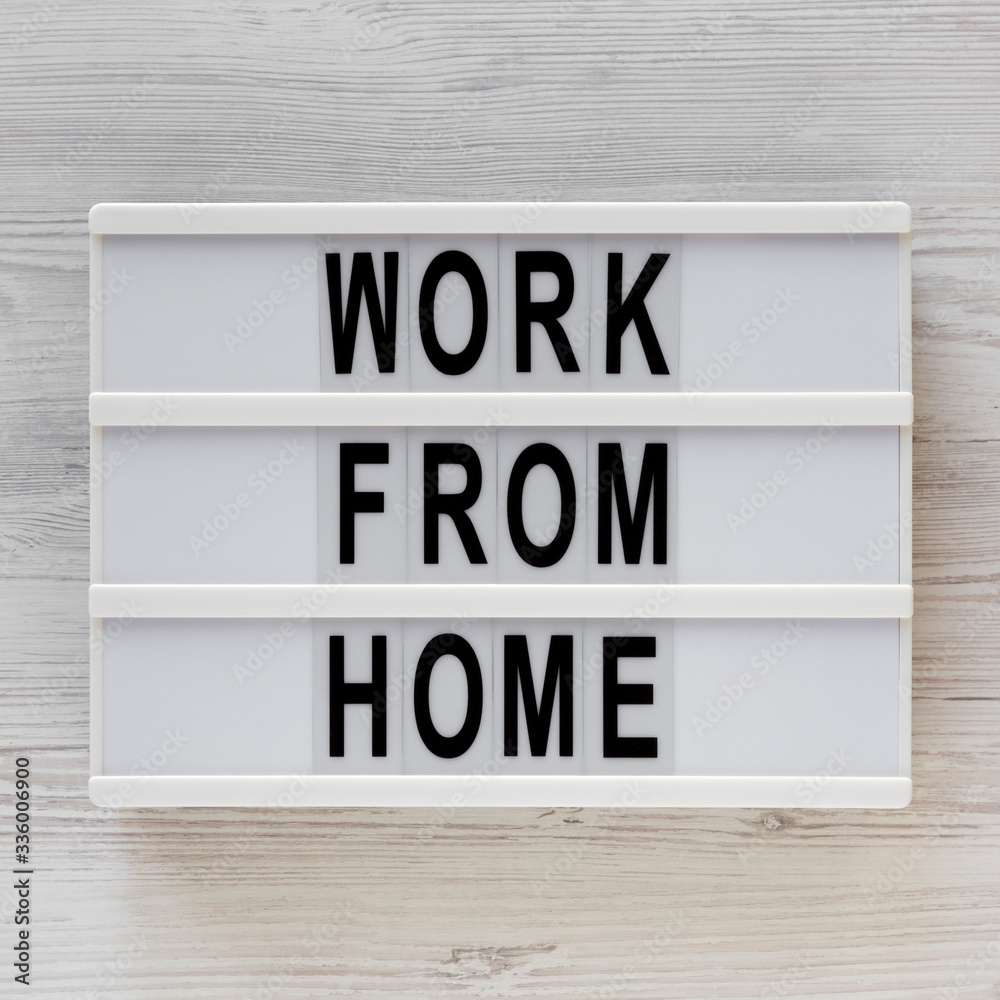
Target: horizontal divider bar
[(503, 217), (499, 409), (430, 791), (496, 600)]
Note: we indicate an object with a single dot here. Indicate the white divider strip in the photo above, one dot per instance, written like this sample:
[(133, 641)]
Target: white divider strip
[(815, 792), (503, 217), (496, 600), (500, 409)]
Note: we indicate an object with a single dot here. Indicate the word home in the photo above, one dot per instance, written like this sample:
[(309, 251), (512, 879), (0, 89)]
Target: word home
[(466, 696)]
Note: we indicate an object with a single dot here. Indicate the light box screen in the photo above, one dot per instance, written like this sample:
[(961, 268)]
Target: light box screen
[(494, 505)]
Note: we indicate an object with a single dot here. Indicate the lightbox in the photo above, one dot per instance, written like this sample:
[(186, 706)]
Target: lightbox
[(501, 505)]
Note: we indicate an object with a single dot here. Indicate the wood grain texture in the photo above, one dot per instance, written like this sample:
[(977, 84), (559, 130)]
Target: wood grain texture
[(451, 99)]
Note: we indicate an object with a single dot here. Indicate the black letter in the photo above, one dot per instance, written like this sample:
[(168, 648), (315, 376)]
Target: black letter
[(538, 716), (345, 328), (461, 263), (616, 694), (342, 694), (633, 310), (454, 505), (351, 502), (541, 555), (652, 480), (465, 359), (527, 312), (448, 746)]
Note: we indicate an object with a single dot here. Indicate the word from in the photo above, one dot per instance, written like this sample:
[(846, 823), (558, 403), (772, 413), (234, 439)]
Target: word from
[(646, 506)]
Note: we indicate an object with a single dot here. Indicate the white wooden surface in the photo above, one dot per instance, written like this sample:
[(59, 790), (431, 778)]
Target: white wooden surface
[(572, 99)]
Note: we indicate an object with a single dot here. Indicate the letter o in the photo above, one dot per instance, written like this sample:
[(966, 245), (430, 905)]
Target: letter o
[(464, 360), (448, 747), (532, 456)]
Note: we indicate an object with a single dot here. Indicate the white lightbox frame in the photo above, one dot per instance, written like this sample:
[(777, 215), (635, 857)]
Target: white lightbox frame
[(675, 408)]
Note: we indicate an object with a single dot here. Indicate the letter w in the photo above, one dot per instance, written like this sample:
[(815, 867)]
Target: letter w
[(345, 325)]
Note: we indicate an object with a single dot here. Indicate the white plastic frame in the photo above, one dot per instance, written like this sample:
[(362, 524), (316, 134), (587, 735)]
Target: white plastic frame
[(538, 409)]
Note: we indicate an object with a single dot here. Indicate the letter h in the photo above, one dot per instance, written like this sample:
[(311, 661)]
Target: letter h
[(372, 693)]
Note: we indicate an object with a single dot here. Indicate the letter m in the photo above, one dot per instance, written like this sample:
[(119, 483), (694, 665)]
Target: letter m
[(538, 714), (652, 487)]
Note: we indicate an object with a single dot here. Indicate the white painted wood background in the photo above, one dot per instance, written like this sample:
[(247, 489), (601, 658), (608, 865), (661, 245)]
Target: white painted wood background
[(438, 99)]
